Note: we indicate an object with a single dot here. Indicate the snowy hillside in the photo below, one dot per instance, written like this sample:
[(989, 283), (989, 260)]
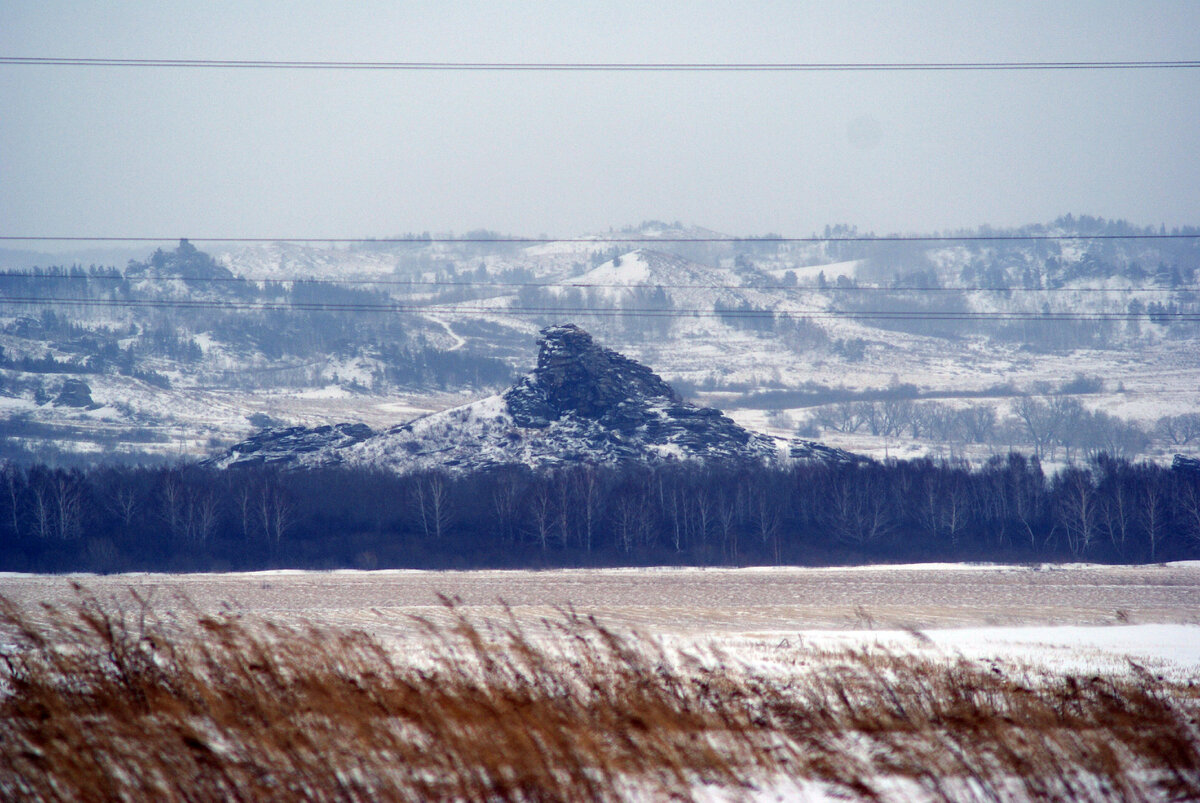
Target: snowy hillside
[(184, 352), (582, 405)]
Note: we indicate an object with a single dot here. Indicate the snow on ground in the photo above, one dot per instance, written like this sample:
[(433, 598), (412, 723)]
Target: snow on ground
[(633, 269), (327, 392), (782, 622), (1171, 650), (810, 274), (1067, 618)]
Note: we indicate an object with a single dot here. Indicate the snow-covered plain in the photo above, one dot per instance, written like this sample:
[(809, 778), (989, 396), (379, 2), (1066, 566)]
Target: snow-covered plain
[(1069, 617)]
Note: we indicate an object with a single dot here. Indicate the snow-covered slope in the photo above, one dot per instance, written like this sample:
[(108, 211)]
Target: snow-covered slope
[(184, 353), (583, 404)]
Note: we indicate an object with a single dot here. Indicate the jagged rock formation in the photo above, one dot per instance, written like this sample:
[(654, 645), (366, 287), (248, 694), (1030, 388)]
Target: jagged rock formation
[(75, 393), (290, 446), (1186, 465), (582, 404), (812, 451), (575, 376)]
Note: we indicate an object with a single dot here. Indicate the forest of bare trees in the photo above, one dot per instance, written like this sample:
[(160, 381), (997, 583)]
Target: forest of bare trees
[(191, 518)]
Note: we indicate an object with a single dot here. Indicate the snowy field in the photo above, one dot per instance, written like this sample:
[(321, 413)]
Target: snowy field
[(1033, 636), (1075, 617)]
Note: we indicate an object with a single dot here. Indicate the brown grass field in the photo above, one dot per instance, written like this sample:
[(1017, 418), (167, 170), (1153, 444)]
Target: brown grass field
[(122, 695)]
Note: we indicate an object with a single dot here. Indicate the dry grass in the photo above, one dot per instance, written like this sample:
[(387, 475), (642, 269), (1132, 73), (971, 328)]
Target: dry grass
[(104, 701)]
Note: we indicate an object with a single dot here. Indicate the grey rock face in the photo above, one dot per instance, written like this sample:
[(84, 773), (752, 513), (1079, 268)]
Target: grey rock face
[(610, 408), (74, 393), (814, 452), (583, 403), (291, 445), (1186, 465), (574, 375)]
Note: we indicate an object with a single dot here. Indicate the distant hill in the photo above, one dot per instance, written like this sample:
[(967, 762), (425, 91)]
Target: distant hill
[(183, 347), (583, 405)]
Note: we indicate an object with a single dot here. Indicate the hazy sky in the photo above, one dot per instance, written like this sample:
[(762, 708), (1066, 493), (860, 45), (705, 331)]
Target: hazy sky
[(111, 151)]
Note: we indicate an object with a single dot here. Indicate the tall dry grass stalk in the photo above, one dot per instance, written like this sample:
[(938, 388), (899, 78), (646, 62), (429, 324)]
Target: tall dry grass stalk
[(106, 701)]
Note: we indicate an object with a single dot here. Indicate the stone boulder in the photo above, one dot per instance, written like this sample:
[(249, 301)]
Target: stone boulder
[(74, 393)]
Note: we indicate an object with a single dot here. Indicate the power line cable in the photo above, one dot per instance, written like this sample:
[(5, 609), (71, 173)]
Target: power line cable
[(470, 66), (606, 240)]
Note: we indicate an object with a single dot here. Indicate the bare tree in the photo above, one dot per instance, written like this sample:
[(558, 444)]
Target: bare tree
[(894, 416), (243, 500), (1078, 508), (68, 505), (857, 509), (1117, 512), (843, 416), (419, 503), (432, 499), (675, 514), (562, 484), (42, 516), (703, 513), (978, 423), (439, 505), (1152, 507), (275, 513), (628, 512), (944, 504), (1039, 425), (125, 502), (1068, 424), (1027, 494), (727, 505), (871, 414), (171, 503), (505, 504), (204, 512), (1188, 495), (590, 495), (542, 508), (993, 503), (940, 421), (767, 522), (1179, 430), (11, 478)]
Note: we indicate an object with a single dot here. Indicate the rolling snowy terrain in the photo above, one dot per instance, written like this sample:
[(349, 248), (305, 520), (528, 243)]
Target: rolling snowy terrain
[(185, 353)]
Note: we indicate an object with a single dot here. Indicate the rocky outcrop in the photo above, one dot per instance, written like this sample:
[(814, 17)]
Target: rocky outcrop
[(814, 452), (289, 446), (576, 376), (75, 393), (582, 404), (1186, 465)]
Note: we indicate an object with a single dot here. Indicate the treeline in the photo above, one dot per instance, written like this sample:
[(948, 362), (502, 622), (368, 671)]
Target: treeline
[(633, 312), (192, 518), (1051, 426)]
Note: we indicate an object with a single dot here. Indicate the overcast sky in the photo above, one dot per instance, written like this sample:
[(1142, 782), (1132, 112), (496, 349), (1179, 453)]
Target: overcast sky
[(205, 153)]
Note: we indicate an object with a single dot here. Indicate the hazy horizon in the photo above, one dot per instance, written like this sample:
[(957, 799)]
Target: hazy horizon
[(284, 153)]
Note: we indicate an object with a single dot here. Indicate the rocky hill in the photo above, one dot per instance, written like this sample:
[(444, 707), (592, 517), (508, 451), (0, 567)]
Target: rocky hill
[(583, 403)]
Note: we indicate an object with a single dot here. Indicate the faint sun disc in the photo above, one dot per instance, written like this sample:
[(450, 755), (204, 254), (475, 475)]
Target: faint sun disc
[(864, 132)]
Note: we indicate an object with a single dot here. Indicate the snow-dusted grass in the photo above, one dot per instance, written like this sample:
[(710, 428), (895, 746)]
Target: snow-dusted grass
[(116, 698)]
